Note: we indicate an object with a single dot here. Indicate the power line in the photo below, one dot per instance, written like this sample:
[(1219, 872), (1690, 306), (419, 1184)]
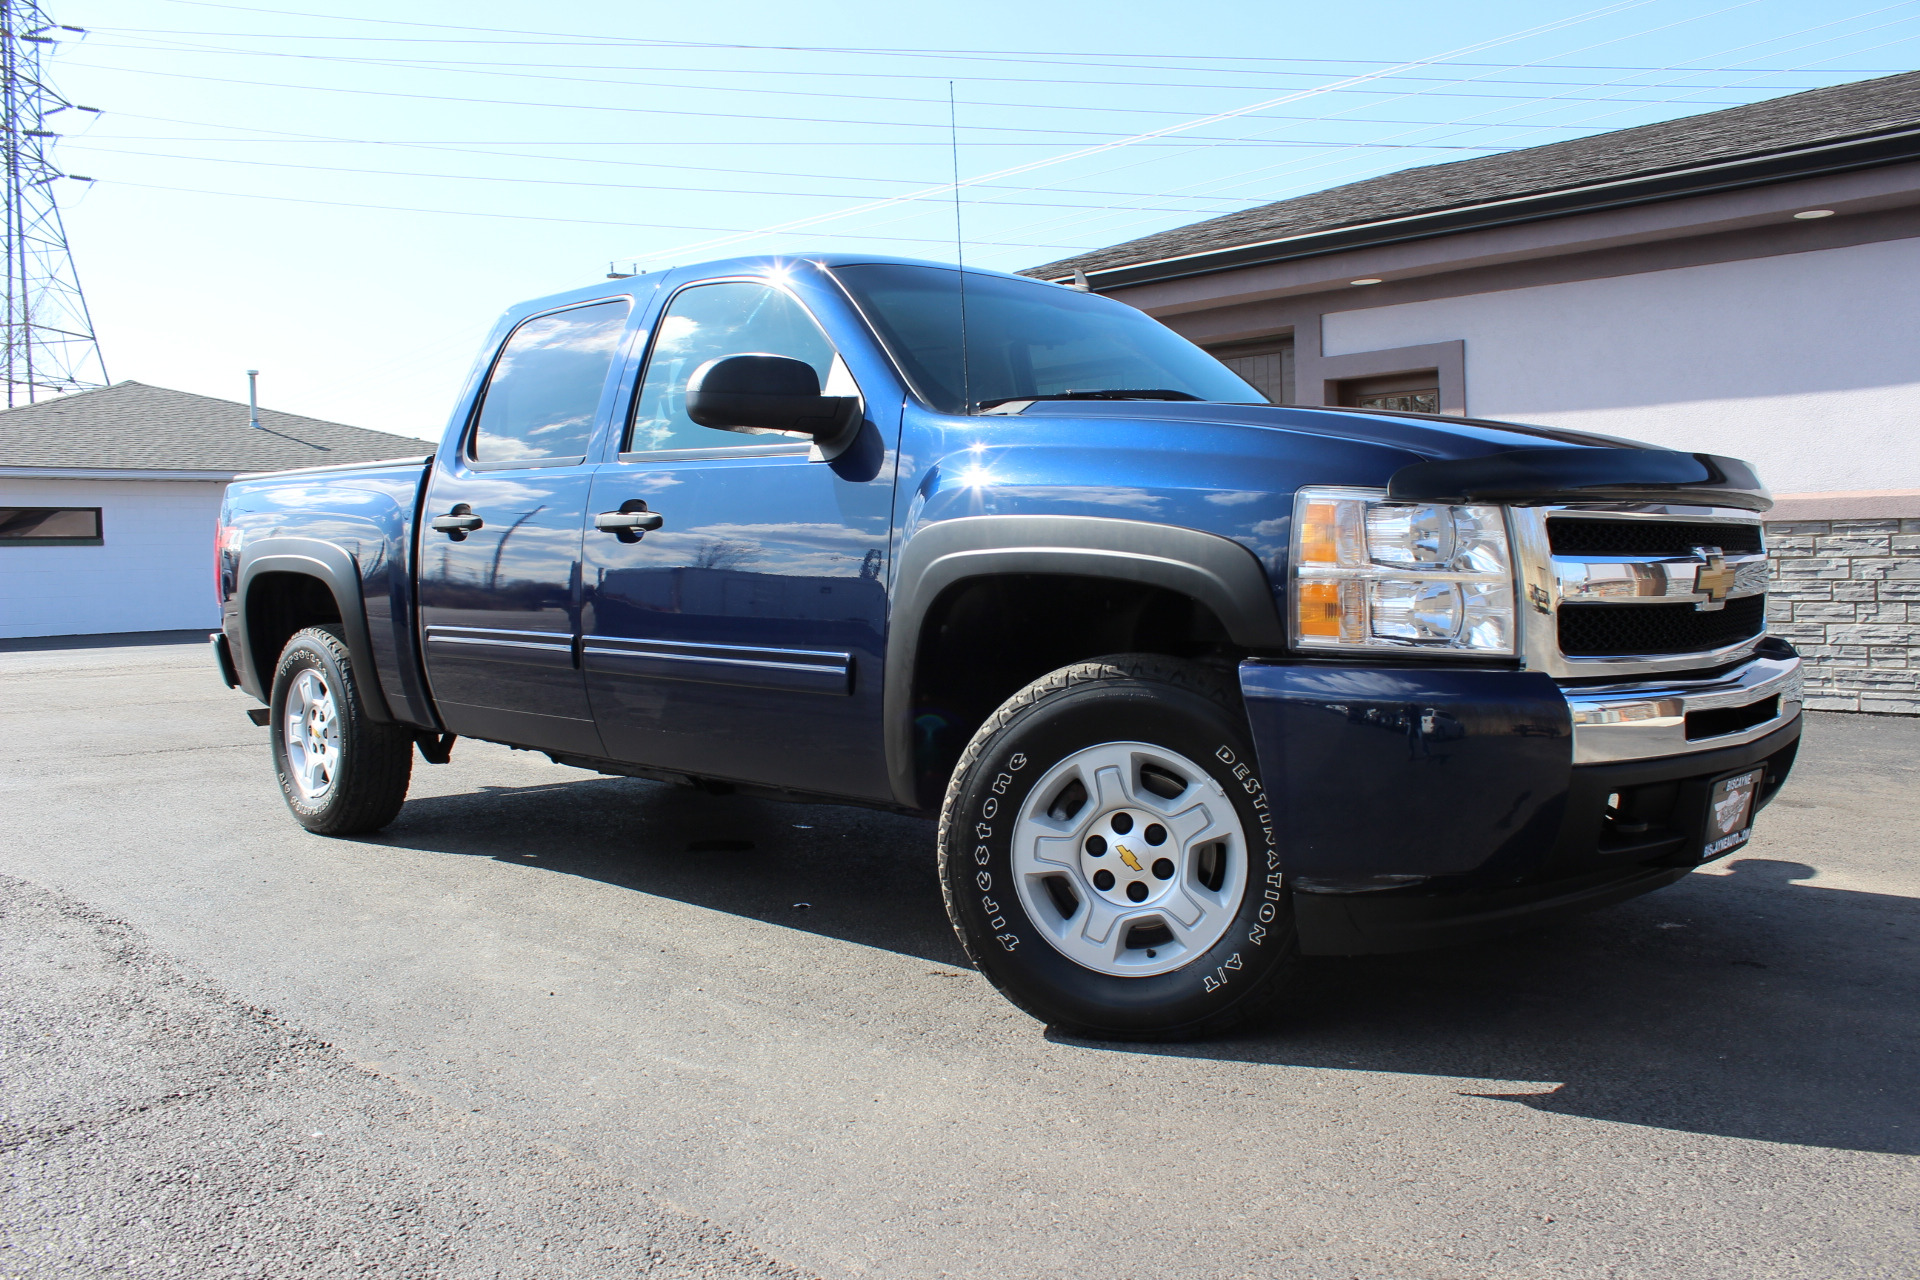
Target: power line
[(1079, 57), (562, 182), (476, 67), (797, 119), (528, 217), (652, 111), (468, 150)]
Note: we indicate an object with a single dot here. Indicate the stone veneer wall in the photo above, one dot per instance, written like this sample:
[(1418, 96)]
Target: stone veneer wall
[(1846, 593)]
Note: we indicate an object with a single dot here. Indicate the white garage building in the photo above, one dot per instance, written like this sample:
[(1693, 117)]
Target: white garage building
[(108, 501)]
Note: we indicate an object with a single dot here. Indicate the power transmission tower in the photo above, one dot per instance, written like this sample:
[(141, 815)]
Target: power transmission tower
[(49, 343)]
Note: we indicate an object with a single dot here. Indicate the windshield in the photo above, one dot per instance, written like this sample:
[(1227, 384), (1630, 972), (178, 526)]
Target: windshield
[(1026, 339)]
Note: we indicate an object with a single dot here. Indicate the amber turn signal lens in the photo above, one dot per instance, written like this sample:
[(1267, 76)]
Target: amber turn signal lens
[(1320, 609), (1317, 543)]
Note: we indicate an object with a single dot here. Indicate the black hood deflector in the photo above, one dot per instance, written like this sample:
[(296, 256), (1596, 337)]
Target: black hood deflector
[(1536, 476)]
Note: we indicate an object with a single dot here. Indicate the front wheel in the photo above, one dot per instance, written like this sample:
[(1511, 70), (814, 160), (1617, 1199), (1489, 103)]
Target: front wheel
[(341, 773), (1107, 854)]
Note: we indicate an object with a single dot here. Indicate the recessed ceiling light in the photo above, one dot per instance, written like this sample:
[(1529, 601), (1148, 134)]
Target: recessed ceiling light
[(1806, 214), (1368, 280)]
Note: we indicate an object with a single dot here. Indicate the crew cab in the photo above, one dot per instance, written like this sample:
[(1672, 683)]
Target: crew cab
[(1195, 684)]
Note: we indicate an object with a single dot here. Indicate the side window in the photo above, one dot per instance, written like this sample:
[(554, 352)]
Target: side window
[(705, 322), (543, 393)]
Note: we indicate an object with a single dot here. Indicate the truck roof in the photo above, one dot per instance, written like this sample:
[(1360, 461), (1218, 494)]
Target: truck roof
[(747, 265)]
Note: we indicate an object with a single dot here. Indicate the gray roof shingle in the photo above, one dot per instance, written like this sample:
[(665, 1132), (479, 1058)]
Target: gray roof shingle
[(134, 427), (1802, 119)]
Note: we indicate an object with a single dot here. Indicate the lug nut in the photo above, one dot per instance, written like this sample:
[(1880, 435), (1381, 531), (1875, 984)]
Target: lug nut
[(1122, 823), (1137, 891), (1096, 846), (1155, 833), (1103, 879), (1163, 868)]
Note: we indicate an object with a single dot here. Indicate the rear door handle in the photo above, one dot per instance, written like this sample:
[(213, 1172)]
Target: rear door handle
[(628, 521)]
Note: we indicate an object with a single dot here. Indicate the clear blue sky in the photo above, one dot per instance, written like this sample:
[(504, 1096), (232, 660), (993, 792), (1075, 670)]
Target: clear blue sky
[(344, 196)]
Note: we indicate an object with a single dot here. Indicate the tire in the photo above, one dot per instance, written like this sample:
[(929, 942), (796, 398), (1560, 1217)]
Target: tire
[(341, 773), (1188, 931)]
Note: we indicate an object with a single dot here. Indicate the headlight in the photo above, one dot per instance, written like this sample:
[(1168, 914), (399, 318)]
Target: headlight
[(1371, 574)]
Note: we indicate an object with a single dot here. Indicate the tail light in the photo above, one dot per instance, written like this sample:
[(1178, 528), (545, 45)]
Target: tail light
[(226, 556)]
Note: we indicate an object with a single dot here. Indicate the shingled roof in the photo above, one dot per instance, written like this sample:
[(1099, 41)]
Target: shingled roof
[(131, 426), (1858, 110)]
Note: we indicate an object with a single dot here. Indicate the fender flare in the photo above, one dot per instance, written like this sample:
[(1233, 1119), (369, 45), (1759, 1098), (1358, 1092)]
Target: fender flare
[(1216, 571), (337, 570)]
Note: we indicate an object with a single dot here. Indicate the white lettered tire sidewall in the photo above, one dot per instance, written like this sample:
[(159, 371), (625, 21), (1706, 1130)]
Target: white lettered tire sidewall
[(1168, 703)]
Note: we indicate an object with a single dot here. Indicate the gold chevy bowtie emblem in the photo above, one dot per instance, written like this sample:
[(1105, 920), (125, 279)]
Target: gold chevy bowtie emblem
[(1126, 856), (1714, 579)]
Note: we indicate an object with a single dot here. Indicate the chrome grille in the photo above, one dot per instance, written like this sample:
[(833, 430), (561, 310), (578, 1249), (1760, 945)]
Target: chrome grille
[(1631, 589)]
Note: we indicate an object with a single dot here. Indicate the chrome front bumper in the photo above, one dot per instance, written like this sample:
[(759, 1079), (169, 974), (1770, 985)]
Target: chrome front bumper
[(1649, 719)]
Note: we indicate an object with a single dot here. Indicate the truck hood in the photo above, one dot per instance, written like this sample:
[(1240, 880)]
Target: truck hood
[(1474, 459)]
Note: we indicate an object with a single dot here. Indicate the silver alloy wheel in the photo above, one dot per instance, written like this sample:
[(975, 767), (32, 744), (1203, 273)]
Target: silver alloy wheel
[(311, 724), (1130, 858)]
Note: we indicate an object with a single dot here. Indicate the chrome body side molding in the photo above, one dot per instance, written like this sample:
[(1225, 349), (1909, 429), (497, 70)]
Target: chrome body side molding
[(756, 667)]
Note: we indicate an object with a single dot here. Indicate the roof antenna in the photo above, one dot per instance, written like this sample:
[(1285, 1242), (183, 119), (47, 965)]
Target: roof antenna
[(959, 251), (253, 399), (1080, 281)]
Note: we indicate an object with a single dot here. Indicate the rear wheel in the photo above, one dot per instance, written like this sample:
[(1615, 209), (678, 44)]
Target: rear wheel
[(341, 773), (1107, 854)]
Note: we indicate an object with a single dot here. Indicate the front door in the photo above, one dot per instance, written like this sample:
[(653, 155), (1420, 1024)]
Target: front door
[(743, 638), (499, 560)]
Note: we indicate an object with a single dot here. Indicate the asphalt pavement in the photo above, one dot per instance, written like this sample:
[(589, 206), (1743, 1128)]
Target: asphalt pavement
[(552, 1024)]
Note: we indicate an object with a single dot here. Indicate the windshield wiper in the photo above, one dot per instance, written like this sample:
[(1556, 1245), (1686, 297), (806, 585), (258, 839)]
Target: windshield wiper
[(1117, 393)]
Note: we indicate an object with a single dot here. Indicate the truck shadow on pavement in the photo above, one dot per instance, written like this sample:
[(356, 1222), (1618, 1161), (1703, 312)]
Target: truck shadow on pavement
[(1746, 1005), (865, 876)]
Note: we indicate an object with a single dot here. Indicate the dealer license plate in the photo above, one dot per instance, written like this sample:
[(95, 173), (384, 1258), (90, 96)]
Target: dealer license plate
[(1730, 813)]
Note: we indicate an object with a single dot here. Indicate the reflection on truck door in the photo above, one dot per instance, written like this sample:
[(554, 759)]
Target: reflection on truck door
[(743, 638), (500, 570)]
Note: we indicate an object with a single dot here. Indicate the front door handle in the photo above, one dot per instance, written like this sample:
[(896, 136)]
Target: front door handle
[(637, 521), (457, 523), (630, 521)]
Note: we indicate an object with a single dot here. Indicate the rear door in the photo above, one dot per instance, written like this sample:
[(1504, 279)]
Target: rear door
[(743, 638), (499, 560)]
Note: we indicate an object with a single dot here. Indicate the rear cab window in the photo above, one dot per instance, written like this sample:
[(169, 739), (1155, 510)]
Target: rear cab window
[(542, 398)]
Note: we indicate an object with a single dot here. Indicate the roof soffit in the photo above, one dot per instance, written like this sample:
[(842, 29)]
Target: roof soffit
[(1771, 140), (1863, 191)]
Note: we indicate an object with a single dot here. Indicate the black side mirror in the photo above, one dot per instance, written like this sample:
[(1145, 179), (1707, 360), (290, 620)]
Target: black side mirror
[(756, 393)]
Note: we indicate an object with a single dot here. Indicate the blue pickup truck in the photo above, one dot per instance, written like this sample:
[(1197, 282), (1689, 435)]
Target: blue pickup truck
[(1196, 684)]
